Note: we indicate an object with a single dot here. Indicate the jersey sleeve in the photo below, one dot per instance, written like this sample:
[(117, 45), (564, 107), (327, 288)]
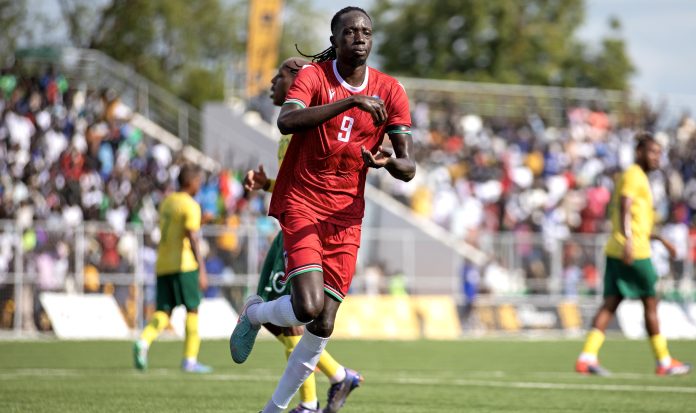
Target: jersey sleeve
[(398, 112), (304, 87), (192, 220), (630, 185)]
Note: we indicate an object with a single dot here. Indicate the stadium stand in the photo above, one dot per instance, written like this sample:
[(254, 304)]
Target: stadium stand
[(482, 176), (71, 158), (80, 181)]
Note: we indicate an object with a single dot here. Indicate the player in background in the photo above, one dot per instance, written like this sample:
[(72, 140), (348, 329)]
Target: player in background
[(273, 268), (629, 271), (180, 271), (338, 110)]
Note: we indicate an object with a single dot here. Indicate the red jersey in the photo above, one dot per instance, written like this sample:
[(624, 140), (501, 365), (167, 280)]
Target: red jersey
[(323, 173)]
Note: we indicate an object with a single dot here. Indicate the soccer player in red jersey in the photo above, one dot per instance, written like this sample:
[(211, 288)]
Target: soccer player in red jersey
[(338, 111)]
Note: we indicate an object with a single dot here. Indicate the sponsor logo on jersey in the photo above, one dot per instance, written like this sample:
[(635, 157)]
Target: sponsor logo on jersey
[(331, 94)]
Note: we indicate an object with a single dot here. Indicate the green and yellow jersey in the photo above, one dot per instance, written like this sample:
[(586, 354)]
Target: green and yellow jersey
[(178, 213), (282, 148), (633, 184)]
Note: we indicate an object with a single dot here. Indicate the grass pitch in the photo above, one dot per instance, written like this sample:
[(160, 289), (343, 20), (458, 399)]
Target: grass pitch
[(421, 376)]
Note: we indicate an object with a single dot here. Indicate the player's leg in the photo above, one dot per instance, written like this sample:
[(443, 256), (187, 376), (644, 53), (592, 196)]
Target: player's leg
[(340, 255), (646, 278), (308, 390), (165, 302), (587, 362), (191, 299), (304, 269), (331, 368), (305, 356), (269, 289)]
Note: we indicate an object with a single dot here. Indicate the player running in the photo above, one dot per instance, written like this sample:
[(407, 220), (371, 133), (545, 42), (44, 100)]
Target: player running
[(629, 271), (338, 110), (343, 380), (180, 271)]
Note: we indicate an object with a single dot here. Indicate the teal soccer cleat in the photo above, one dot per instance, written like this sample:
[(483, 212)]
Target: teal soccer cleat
[(140, 355), (244, 334)]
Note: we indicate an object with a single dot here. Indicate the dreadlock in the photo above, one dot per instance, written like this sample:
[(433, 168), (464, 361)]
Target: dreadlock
[(330, 52)]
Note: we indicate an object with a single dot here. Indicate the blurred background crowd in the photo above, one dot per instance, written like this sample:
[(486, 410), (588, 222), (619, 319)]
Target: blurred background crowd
[(70, 156), (546, 184)]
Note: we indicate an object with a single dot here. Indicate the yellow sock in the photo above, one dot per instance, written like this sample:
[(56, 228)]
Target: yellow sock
[(159, 321), (282, 340), (659, 346), (594, 341), (308, 390), (192, 343), (328, 365)]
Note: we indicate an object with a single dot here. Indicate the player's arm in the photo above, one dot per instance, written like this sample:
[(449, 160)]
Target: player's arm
[(194, 240), (625, 218), (192, 225), (401, 167), (296, 118)]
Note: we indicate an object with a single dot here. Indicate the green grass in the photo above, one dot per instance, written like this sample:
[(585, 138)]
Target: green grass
[(421, 376)]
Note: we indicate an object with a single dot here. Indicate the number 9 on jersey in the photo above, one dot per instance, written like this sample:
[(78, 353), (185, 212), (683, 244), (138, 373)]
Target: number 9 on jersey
[(346, 126)]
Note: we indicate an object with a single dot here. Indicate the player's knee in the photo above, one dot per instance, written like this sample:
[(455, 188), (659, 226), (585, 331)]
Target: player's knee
[(322, 327), (308, 308)]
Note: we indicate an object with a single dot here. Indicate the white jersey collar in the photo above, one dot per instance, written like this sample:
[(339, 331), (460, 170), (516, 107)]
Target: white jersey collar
[(354, 89)]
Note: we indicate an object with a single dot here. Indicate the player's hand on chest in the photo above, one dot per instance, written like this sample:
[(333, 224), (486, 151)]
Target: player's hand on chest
[(355, 126)]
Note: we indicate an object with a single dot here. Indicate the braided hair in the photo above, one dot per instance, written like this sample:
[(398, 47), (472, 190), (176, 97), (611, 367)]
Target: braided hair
[(330, 52)]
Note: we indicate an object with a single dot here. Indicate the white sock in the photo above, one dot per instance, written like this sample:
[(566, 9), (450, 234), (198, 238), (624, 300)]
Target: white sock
[(588, 358), (666, 361), (301, 364), (278, 312), (311, 405), (339, 376)]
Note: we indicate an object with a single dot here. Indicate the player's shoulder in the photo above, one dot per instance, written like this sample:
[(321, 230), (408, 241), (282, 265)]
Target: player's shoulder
[(315, 68), (168, 199), (383, 78), (634, 172), (181, 199)]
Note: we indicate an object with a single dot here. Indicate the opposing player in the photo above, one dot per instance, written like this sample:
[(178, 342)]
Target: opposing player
[(180, 271), (343, 380), (338, 110), (629, 270)]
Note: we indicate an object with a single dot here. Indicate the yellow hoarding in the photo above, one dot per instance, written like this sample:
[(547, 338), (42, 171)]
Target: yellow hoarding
[(265, 25)]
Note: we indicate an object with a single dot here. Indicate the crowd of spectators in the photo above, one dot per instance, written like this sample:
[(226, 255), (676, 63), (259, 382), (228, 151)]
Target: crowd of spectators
[(544, 185), (69, 158)]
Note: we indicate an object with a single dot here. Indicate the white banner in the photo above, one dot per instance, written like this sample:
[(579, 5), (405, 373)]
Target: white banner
[(216, 319), (674, 322), (93, 316)]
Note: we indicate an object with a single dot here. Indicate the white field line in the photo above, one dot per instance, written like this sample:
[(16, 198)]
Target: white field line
[(265, 377), (486, 383)]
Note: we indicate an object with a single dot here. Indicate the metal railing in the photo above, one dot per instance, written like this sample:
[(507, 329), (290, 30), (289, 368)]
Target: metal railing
[(94, 258), (511, 101)]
